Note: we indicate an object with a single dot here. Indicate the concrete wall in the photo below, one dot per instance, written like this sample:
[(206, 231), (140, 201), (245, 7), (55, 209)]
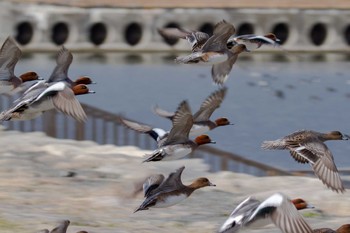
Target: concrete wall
[(40, 27)]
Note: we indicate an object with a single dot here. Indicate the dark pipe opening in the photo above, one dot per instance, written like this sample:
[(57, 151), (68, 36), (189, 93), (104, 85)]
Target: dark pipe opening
[(171, 41), (98, 33), (245, 28), (318, 34), (133, 34), (24, 33), (347, 34), (207, 28), (60, 33), (281, 30)]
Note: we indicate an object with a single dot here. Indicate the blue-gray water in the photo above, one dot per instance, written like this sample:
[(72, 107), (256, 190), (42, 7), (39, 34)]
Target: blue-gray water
[(268, 96)]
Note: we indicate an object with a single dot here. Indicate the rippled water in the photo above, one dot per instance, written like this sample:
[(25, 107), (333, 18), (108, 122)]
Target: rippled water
[(268, 97)]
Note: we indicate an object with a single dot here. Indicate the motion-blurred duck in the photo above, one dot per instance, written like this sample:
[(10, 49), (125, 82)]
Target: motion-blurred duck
[(175, 144), (43, 97), (9, 56), (201, 122), (160, 193), (252, 41), (308, 146), (278, 208), (216, 53), (60, 73)]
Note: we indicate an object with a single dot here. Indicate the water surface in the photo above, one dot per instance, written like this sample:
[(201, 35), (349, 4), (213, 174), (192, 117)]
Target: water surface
[(269, 95)]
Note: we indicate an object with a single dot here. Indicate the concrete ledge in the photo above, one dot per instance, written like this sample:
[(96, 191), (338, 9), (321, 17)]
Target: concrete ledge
[(299, 4), (44, 27)]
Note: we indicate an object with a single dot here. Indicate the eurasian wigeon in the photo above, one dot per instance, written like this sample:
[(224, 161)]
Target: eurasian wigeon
[(278, 208), (252, 41), (308, 146), (63, 61), (160, 193), (201, 122), (343, 229), (83, 80), (177, 144), (195, 38), (44, 97), (60, 73), (215, 52), (160, 135), (9, 56)]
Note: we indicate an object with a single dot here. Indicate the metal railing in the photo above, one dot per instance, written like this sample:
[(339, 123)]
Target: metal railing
[(104, 128)]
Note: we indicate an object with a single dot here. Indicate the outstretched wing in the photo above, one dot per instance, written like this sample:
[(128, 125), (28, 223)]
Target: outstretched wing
[(218, 41), (9, 56), (210, 104), (322, 162), (182, 124), (63, 60)]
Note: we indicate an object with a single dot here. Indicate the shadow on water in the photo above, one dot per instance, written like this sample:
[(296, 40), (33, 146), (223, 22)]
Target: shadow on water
[(321, 57), (133, 58), (169, 58), (99, 58), (279, 58), (299, 90), (27, 56)]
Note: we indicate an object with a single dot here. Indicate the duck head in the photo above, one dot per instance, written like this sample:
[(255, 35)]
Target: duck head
[(81, 89), (336, 135), (30, 76), (301, 204), (201, 182), (84, 80), (203, 139), (344, 229), (272, 37), (222, 121)]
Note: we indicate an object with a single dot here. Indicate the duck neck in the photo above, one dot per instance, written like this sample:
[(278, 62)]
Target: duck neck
[(195, 185), (327, 136), (190, 188)]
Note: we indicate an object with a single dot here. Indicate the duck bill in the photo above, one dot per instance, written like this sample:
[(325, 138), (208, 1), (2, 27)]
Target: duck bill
[(91, 92), (40, 78), (345, 137), (213, 142), (211, 184)]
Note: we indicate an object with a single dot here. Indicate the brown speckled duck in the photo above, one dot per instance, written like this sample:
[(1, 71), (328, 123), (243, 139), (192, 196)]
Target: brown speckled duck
[(308, 146)]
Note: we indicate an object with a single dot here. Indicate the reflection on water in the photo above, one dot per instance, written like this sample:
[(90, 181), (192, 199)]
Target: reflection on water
[(269, 95), (99, 58), (133, 59)]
